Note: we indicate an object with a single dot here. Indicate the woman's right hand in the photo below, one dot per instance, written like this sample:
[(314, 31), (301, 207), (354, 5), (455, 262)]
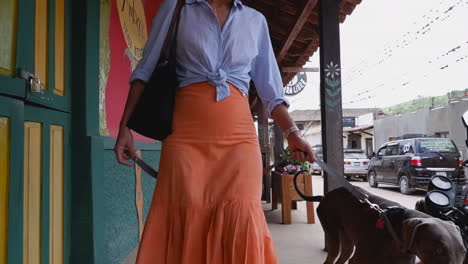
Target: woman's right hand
[(124, 146)]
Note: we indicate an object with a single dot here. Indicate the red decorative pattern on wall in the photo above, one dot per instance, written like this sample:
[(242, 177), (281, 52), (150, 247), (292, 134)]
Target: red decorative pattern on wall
[(121, 67)]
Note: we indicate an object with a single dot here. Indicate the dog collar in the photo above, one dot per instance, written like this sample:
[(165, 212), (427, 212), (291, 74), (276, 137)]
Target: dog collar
[(383, 222)]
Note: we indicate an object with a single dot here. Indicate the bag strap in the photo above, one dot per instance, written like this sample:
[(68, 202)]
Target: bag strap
[(168, 46)]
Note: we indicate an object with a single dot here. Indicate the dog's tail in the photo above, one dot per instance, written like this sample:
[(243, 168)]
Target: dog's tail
[(316, 198)]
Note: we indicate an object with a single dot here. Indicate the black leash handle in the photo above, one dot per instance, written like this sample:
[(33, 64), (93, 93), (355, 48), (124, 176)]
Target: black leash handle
[(147, 168), (143, 165)]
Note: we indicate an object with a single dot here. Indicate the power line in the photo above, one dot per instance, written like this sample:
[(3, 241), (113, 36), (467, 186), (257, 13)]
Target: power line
[(434, 15)]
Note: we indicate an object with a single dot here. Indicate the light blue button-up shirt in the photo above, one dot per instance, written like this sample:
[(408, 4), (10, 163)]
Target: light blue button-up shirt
[(236, 53)]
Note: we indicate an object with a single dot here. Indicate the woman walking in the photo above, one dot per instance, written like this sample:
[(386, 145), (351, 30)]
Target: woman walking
[(206, 206)]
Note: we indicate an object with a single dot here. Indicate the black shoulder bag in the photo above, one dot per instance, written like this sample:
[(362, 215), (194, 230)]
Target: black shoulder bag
[(152, 116)]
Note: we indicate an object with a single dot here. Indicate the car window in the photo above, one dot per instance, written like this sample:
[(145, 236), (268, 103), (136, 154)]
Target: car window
[(436, 145), (382, 151), (392, 150), (405, 148), (355, 155)]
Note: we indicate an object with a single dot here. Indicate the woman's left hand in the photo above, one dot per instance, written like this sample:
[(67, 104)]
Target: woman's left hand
[(300, 149)]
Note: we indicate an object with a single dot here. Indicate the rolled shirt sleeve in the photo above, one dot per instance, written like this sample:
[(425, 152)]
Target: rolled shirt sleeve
[(265, 73), (153, 46)]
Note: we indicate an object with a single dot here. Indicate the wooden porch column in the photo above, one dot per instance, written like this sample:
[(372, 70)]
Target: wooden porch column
[(279, 143), (330, 90)]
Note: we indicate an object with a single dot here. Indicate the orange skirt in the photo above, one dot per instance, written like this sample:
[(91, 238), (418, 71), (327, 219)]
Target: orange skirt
[(206, 207)]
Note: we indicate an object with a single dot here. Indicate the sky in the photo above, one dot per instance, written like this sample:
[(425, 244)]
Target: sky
[(396, 51)]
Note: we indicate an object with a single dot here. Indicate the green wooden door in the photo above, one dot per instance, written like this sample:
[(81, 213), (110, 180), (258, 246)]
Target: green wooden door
[(34, 132), (34, 51)]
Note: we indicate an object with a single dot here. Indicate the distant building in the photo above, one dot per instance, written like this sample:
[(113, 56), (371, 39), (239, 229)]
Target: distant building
[(444, 121), (357, 127)]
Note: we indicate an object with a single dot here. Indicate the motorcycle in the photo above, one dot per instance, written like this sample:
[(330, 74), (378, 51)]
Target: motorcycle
[(447, 197)]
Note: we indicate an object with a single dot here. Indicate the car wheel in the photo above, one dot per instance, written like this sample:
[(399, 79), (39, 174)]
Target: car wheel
[(404, 185), (372, 179)]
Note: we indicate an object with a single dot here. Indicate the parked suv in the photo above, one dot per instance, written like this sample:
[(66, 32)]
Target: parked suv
[(410, 163)]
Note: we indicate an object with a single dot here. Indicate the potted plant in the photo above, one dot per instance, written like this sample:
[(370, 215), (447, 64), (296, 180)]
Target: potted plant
[(283, 189), (290, 165)]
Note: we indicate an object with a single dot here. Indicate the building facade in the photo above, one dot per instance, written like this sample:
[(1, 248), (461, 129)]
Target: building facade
[(443, 121), (358, 126), (64, 198)]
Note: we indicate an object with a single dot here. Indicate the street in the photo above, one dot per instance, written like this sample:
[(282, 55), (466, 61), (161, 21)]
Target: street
[(389, 192), (303, 243)]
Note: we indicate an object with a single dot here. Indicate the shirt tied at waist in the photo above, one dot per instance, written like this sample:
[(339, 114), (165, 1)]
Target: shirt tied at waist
[(219, 81)]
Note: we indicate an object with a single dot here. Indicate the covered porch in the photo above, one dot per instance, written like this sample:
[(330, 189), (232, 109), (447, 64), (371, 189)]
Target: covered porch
[(58, 136), (300, 30)]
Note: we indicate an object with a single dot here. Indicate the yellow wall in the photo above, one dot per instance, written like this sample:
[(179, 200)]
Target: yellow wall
[(32, 193), (56, 195), (4, 185)]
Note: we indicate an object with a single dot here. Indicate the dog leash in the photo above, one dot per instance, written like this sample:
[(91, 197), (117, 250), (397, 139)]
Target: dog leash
[(144, 166), (153, 173), (362, 197), (382, 222)]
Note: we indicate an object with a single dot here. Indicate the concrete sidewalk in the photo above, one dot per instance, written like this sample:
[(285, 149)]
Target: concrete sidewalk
[(298, 242)]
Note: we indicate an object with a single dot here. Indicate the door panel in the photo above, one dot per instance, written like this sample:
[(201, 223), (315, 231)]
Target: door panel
[(369, 147), (8, 20), (389, 166), (380, 169), (390, 171), (8, 49), (32, 193), (377, 164), (19, 49), (41, 45), (56, 194), (11, 173), (59, 49), (4, 185)]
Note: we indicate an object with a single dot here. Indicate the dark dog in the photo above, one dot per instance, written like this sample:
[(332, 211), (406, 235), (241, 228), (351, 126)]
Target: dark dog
[(351, 224)]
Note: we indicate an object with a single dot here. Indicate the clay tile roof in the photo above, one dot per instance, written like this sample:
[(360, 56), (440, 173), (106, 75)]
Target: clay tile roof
[(294, 28)]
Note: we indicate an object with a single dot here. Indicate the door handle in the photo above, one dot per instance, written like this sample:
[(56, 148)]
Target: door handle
[(32, 80)]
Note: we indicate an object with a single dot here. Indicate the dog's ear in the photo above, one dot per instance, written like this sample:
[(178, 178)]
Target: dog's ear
[(409, 229)]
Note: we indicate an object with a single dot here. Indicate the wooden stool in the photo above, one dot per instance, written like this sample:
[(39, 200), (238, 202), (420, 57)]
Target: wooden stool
[(283, 189)]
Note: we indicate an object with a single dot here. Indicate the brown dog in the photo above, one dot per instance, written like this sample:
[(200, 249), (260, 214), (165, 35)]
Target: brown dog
[(350, 224)]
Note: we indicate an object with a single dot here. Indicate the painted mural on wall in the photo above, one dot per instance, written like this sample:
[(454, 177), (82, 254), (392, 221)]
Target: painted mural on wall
[(124, 31), (333, 85)]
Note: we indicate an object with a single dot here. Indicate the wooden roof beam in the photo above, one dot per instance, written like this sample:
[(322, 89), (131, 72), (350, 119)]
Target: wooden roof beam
[(301, 19), (299, 69)]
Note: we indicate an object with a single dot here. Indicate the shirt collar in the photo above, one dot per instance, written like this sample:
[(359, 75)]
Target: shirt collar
[(237, 3)]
